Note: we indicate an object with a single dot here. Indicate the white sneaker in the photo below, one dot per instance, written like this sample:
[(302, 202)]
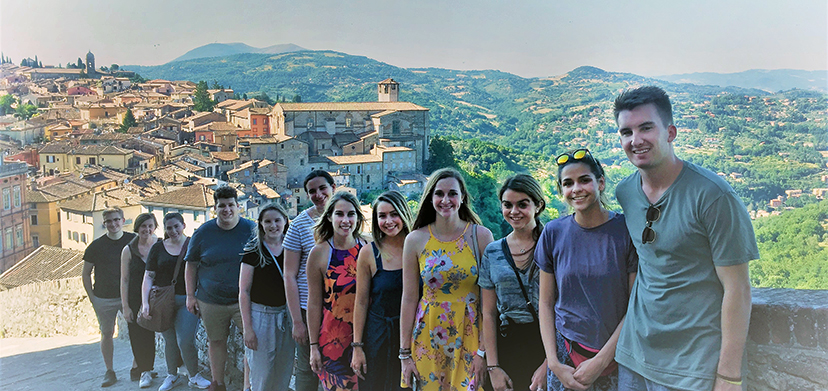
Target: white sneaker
[(199, 381), (146, 379), (170, 382)]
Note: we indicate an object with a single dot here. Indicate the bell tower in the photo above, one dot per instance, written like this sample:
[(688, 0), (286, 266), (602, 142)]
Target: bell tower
[(388, 90)]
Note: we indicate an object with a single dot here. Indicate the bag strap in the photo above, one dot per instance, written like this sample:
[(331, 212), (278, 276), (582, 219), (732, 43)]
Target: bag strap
[(277, 261), (474, 244), (181, 255), (508, 253)]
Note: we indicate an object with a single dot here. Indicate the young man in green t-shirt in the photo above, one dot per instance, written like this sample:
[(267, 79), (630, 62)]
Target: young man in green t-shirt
[(689, 309)]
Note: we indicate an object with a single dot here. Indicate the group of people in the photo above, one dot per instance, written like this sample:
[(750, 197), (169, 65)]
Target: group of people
[(656, 298)]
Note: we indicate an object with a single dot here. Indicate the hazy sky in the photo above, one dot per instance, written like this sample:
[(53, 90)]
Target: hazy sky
[(526, 37)]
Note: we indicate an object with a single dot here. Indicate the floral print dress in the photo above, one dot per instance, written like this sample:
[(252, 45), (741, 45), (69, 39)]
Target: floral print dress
[(445, 338), (337, 330)]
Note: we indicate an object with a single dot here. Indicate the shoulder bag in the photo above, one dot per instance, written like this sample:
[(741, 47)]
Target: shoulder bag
[(162, 301)]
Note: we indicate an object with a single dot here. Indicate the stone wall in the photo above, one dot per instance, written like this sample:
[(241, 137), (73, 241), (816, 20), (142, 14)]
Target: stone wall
[(787, 344), (788, 340), (61, 307)]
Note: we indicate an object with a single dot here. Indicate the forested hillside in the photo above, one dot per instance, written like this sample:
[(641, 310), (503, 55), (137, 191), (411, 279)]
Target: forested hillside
[(494, 124)]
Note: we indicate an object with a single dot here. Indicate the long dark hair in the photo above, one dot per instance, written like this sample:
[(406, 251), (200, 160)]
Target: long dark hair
[(256, 243), (594, 167), (398, 201), (526, 184), (426, 213)]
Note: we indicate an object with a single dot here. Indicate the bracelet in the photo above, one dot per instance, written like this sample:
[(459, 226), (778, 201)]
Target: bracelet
[(404, 356), (481, 353), (492, 367), (736, 381), (405, 351), (357, 344), (314, 343)]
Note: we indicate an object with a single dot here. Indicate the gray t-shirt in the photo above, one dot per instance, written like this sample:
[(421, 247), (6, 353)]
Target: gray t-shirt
[(217, 253), (591, 268), (672, 333), (496, 273), (299, 238)]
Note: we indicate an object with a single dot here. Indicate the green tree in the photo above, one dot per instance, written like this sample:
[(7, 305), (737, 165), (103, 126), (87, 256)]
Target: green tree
[(201, 98), (80, 63), (129, 121), (115, 67), (297, 99), (25, 111), (441, 155), (6, 102)]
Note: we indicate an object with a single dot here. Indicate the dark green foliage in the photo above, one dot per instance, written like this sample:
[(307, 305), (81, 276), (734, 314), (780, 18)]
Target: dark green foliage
[(201, 98), (129, 121), (6, 102), (441, 154), (793, 248), (25, 111)]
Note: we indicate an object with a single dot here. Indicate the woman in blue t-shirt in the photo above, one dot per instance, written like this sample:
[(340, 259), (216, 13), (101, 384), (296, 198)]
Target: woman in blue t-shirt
[(588, 265)]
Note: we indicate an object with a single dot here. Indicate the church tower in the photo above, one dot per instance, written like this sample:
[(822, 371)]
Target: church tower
[(388, 90), (90, 65)]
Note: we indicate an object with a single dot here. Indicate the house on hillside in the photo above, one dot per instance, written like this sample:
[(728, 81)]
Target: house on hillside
[(195, 204)]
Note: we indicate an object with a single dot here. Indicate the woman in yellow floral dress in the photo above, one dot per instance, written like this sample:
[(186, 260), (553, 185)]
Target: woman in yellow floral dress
[(439, 333)]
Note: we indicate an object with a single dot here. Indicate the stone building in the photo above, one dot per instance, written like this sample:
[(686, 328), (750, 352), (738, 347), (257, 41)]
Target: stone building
[(15, 240), (344, 128)]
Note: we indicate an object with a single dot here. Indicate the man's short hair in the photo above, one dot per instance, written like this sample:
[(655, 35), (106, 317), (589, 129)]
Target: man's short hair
[(113, 209), (632, 98), (225, 192)]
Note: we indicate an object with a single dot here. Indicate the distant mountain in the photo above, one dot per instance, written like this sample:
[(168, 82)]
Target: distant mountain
[(229, 49), (767, 80)]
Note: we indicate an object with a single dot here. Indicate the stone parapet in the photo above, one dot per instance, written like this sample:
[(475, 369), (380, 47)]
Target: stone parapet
[(788, 340)]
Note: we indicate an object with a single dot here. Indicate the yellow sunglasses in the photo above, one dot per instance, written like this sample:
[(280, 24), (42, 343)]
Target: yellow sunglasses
[(578, 154)]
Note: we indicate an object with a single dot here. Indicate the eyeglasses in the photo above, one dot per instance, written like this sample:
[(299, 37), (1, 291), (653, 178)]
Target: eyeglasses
[(649, 235), (578, 154)]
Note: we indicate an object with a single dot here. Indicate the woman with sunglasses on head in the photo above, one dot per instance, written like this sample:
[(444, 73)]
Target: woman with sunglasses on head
[(509, 281), (179, 340), (588, 265), (332, 266), (379, 291), (440, 344), (265, 318)]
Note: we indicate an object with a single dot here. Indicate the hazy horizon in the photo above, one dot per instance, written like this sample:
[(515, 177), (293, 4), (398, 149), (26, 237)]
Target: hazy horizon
[(531, 39)]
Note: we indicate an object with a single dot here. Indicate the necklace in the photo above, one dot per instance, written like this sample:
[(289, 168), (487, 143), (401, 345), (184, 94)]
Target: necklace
[(525, 250)]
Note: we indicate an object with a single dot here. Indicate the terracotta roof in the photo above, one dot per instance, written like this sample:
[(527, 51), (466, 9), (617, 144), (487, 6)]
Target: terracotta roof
[(188, 166), (265, 191), (195, 196), (56, 147), (217, 126), (272, 139), (101, 200), (388, 81), (349, 106), (57, 192), (225, 156), (355, 159), (383, 149), (46, 263)]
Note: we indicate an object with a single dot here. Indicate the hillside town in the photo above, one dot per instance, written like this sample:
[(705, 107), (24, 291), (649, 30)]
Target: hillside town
[(74, 157)]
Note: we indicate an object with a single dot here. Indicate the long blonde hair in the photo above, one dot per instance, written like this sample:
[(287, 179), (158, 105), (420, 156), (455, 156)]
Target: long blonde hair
[(426, 213)]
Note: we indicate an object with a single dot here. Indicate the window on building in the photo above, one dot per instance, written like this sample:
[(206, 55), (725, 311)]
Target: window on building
[(9, 243), (19, 235), (34, 219), (196, 215), (6, 198), (358, 170), (35, 241), (68, 217), (367, 178), (50, 159), (32, 205), (254, 121), (83, 237), (92, 160), (282, 161), (68, 234), (301, 162), (395, 127), (349, 120), (75, 236), (282, 145), (16, 197), (310, 124), (77, 160)]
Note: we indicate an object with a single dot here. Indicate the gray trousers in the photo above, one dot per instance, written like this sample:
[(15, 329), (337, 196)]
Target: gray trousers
[(271, 364)]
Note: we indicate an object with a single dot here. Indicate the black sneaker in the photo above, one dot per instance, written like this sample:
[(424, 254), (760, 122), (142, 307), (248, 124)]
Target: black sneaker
[(109, 378)]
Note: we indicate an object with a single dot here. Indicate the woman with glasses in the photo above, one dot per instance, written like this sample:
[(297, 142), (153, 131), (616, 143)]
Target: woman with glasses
[(588, 265), (509, 290)]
